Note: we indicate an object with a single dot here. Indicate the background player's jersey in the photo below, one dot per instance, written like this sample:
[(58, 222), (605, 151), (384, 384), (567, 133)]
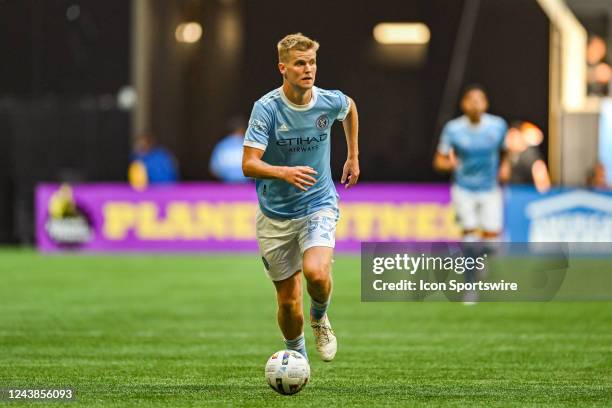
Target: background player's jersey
[(294, 135), (477, 149)]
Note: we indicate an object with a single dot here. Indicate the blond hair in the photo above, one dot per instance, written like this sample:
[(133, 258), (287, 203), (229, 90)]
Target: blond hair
[(296, 41)]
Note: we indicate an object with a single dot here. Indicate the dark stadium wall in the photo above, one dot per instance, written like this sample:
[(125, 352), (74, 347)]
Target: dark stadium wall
[(47, 53), (58, 117), (57, 141), (196, 88), (6, 179)]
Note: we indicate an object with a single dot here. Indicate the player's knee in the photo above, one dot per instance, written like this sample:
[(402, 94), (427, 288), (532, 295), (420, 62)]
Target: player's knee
[(317, 273)]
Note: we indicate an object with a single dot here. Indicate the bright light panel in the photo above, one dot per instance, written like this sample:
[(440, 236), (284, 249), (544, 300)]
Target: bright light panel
[(402, 33), (188, 32)]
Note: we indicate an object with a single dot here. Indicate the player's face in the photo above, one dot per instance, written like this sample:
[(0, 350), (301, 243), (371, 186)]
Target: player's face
[(300, 69), (514, 140), (474, 104)]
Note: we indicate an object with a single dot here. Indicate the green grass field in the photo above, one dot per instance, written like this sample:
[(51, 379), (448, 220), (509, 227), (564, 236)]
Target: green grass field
[(197, 331)]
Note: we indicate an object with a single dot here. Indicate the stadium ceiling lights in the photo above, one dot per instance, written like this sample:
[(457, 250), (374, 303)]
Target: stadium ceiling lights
[(188, 32), (402, 33)]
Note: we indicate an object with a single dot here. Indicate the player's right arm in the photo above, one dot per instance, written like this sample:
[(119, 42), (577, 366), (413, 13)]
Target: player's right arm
[(445, 162), (445, 159), (505, 169), (541, 178), (253, 166)]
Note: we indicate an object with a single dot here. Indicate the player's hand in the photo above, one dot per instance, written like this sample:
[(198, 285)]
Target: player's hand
[(300, 176), (350, 172)]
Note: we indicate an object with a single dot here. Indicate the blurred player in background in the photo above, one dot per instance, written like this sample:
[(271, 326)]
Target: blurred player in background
[(523, 163), (287, 149), (151, 164), (599, 72), (597, 177), (470, 148), (226, 157)]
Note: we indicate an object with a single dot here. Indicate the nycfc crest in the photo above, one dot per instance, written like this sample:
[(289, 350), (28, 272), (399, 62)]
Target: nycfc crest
[(322, 122)]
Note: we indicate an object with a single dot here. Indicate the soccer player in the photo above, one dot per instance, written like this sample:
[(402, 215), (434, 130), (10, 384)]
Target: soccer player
[(470, 147), (287, 149), (523, 164)]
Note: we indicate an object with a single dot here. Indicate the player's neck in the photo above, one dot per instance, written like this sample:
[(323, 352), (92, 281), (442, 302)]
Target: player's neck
[(474, 121), (298, 96)]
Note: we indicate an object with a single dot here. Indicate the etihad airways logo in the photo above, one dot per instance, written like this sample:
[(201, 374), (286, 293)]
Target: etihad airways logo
[(302, 144)]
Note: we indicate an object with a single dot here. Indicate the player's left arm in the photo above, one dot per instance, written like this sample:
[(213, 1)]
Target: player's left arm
[(504, 172), (350, 171), (541, 178), (505, 168)]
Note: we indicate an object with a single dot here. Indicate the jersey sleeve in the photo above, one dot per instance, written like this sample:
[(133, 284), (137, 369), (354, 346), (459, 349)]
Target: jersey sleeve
[(344, 105), (532, 155), (260, 124), (445, 144)]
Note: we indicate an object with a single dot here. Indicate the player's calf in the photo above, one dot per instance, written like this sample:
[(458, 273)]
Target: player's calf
[(290, 317)]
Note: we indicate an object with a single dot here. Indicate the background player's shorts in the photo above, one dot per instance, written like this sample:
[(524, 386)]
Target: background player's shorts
[(478, 209), (282, 242)]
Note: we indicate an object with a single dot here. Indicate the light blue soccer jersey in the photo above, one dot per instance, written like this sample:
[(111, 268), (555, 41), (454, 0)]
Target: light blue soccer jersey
[(477, 148), (294, 135)]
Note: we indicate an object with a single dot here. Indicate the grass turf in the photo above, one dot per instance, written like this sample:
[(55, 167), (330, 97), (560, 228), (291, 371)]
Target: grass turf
[(197, 331)]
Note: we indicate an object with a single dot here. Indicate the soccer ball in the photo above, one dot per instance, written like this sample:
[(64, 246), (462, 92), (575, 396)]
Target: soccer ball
[(287, 372)]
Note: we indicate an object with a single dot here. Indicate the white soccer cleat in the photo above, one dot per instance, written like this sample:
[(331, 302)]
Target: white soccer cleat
[(327, 345)]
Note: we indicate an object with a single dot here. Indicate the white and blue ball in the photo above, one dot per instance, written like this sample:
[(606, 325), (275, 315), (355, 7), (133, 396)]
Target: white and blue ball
[(287, 372)]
